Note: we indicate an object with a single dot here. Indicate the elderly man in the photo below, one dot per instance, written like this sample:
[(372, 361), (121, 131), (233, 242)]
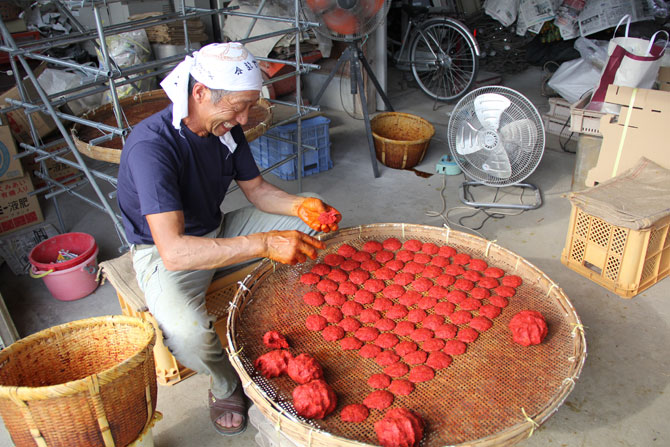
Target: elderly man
[(175, 170)]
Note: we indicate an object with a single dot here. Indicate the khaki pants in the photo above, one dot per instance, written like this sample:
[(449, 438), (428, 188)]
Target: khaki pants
[(177, 299)]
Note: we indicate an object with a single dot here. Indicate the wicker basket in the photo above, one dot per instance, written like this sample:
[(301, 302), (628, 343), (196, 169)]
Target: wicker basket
[(86, 383), (139, 107), (495, 395), (401, 139)]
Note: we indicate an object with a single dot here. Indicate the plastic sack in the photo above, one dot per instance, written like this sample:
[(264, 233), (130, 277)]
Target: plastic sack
[(592, 51), (55, 81), (574, 78), (127, 50)]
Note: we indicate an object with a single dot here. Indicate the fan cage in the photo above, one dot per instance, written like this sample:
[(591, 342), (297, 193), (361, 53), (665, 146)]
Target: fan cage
[(345, 24), (523, 163)]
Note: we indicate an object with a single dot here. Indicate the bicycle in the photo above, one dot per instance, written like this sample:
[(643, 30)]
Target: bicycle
[(443, 55)]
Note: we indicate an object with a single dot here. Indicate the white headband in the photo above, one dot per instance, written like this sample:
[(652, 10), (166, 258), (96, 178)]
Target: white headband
[(220, 66)]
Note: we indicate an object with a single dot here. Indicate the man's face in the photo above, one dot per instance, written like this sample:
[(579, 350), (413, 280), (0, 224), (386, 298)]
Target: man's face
[(231, 110)]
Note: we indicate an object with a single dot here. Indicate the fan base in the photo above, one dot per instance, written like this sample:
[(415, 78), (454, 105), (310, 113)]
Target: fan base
[(464, 188)]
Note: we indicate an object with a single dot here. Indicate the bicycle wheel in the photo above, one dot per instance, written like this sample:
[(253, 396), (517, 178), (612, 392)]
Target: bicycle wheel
[(443, 59)]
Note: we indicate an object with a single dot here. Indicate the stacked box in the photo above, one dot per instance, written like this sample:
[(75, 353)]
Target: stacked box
[(268, 151), (18, 208), (9, 167)]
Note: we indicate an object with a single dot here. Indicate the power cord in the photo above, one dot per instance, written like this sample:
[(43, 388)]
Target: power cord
[(564, 145), (460, 223)]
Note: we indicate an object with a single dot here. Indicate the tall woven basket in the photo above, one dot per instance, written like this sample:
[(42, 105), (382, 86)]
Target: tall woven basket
[(401, 139), (82, 384)]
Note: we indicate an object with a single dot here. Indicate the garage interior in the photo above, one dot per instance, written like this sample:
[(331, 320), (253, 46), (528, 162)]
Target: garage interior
[(620, 396)]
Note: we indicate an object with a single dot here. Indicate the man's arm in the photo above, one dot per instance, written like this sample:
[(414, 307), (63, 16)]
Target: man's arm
[(182, 252), (271, 199)]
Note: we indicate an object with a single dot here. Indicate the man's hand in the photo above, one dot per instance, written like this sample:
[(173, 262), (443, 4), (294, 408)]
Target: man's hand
[(290, 247), (318, 215)]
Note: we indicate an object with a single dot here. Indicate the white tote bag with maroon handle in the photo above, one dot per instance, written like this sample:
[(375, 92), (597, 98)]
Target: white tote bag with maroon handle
[(632, 62)]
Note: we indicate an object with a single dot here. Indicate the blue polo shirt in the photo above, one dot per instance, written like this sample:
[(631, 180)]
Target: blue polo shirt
[(165, 169)]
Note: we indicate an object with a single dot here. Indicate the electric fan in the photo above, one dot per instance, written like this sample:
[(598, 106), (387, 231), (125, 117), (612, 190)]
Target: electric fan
[(351, 21), (496, 136)]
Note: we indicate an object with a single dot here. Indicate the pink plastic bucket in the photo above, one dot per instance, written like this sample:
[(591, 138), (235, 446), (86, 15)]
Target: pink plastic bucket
[(72, 283), (44, 255)]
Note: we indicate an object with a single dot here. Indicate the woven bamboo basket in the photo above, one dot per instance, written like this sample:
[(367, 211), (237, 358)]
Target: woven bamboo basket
[(86, 383), (494, 395), (401, 139), (139, 107)]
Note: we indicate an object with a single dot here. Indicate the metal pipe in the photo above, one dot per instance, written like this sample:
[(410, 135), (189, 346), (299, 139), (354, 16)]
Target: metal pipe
[(102, 139), (285, 62), (80, 28), (270, 34), (33, 130), (113, 30), (298, 96), (68, 139), (105, 63), (56, 61), (253, 21), (187, 42), (316, 108), (100, 126), (286, 140), (61, 98), (65, 161), (285, 76), (300, 23), (290, 119), (49, 156)]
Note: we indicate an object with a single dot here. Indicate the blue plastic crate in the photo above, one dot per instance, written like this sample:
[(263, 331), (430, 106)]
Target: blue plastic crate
[(315, 132)]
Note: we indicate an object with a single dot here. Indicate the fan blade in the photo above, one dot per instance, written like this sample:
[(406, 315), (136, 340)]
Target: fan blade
[(341, 21), (489, 108), (497, 163), (522, 134), (466, 140)]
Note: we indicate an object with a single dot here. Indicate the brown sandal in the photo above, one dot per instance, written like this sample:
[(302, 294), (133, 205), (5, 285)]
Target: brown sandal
[(235, 403)]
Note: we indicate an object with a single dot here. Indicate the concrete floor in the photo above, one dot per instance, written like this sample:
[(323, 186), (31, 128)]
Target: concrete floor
[(622, 397)]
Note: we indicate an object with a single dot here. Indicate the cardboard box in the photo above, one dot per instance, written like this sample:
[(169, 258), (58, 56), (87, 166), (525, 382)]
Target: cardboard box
[(18, 120), (9, 167), (640, 130), (664, 79), (17, 208)]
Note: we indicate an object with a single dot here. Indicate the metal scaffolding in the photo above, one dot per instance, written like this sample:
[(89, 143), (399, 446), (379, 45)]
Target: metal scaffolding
[(109, 76)]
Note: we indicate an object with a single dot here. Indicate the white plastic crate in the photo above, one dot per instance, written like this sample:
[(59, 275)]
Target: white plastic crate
[(559, 108)]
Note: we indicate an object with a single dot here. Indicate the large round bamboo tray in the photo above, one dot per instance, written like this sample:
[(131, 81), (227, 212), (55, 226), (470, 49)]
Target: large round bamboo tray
[(401, 139), (86, 383), (496, 394), (139, 107)]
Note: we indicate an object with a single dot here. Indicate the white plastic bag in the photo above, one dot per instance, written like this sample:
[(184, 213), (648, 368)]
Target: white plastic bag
[(56, 81), (574, 78), (593, 51), (127, 50)]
